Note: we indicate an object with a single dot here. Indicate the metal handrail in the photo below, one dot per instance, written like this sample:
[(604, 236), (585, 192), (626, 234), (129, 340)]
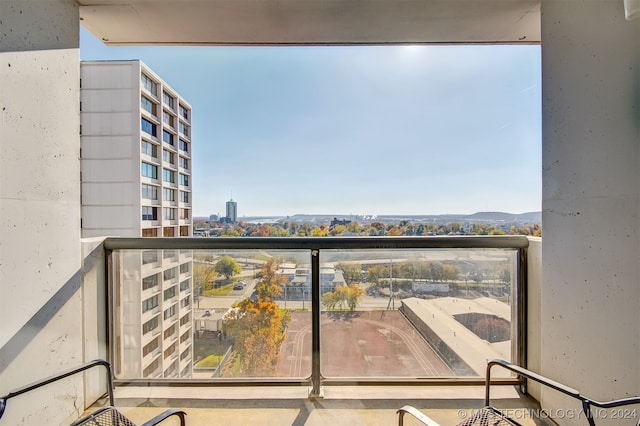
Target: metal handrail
[(60, 376), (586, 402), (321, 243)]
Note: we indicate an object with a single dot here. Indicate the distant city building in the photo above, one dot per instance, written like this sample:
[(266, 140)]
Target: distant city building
[(232, 211), (213, 218), (136, 182), (337, 221)]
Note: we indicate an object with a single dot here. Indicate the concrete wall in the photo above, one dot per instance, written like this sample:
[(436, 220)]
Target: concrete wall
[(110, 143), (40, 251), (591, 207)]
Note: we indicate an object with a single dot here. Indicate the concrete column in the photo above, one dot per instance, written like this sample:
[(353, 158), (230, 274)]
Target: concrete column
[(591, 206), (40, 252)]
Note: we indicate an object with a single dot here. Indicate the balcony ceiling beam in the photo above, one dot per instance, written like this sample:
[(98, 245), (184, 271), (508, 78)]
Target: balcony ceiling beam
[(311, 22)]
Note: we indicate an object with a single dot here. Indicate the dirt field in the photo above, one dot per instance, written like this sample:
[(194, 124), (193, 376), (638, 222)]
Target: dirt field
[(359, 344)]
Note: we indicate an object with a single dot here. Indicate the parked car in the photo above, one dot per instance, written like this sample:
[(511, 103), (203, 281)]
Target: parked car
[(238, 286)]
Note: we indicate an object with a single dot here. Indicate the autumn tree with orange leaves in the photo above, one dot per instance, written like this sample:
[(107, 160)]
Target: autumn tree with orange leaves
[(258, 326)]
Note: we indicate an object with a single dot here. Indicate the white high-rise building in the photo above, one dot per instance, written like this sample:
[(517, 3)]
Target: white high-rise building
[(136, 182), (232, 211)]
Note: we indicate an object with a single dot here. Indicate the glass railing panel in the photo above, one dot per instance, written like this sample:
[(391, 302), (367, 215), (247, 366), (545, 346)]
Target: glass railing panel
[(418, 313), (233, 314)]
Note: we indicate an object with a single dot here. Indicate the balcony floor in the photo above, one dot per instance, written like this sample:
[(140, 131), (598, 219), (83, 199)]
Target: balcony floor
[(341, 405)]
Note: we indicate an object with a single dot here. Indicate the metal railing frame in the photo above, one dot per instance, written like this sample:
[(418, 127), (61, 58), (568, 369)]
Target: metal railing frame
[(315, 247)]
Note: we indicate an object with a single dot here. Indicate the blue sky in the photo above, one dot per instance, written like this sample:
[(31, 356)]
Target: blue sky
[(356, 130)]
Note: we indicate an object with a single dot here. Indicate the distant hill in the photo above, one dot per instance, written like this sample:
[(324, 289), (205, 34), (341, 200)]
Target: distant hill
[(528, 218)]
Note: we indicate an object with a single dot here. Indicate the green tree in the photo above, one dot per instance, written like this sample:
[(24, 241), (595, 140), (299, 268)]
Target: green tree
[(350, 296), (375, 273), (350, 271), (227, 266), (203, 275), (330, 300), (450, 272)]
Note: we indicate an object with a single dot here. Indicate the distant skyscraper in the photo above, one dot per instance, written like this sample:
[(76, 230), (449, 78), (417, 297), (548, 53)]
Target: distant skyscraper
[(232, 210)]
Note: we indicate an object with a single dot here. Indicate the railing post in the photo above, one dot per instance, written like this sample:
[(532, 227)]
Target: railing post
[(316, 387)]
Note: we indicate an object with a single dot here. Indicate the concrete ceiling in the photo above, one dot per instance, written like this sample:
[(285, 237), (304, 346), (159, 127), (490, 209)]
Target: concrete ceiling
[(324, 22)]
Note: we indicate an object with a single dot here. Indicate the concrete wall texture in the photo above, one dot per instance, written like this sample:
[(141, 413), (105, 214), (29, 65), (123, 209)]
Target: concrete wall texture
[(590, 327), (40, 248)]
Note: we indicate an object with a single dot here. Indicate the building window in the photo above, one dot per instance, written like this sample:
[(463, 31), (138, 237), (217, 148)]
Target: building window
[(168, 156), (185, 320), (184, 214), (149, 213), (168, 194), (167, 137), (184, 355), (150, 303), (150, 282), (184, 268), (148, 127), (184, 231), (150, 256), (148, 106), (184, 197), (149, 84), (149, 148), (149, 192), (168, 254), (150, 347), (170, 292), (184, 129), (169, 213), (186, 284), (150, 325), (169, 274), (168, 232), (168, 100), (184, 113), (150, 232), (185, 337), (168, 176), (183, 162), (186, 302), (167, 353), (167, 118), (168, 313), (184, 179), (151, 368), (149, 170), (170, 331)]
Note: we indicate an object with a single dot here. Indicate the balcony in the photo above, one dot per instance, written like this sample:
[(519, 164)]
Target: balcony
[(369, 387)]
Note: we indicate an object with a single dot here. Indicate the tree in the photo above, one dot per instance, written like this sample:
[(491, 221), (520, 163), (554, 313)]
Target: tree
[(203, 275), (259, 330), (270, 285), (330, 300), (374, 274), (450, 272), (350, 271), (350, 296), (258, 326), (354, 296), (227, 266)]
